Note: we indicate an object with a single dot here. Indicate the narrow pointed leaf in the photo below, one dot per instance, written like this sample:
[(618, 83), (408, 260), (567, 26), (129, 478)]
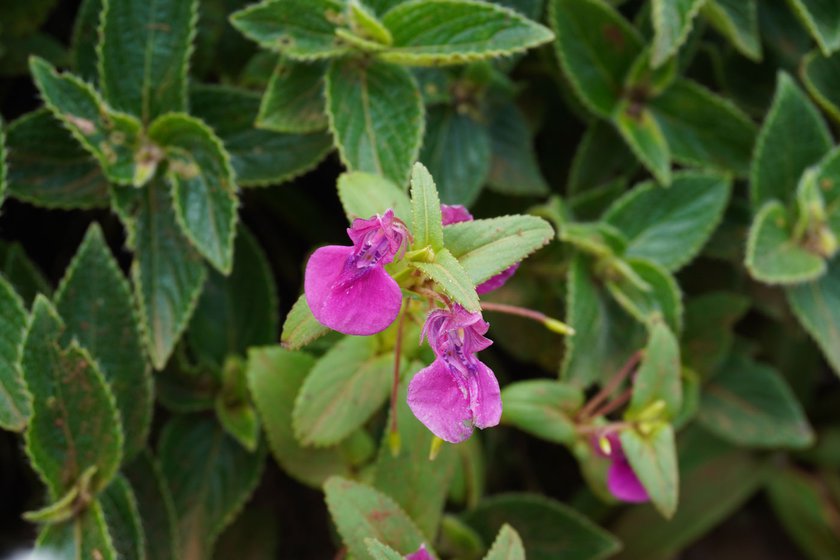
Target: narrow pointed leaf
[(507, 546), (643, 134), (448, 273), (672, 22), (81, 538), (85, 39), (822, 19), (154, 502), (426, 217), (737, 20), (658, 376), (654, 460), (15, 405), (122, 516), (817, 306), (294, 98)]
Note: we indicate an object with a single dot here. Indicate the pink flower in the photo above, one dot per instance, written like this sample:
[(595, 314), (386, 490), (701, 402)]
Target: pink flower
[(421, 554), (347, 288), (622, 481), (455, 213), (457, 391)]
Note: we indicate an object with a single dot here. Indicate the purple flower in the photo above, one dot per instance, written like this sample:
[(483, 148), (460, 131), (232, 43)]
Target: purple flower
[(622, 481), (455, 213), (347, 288), (456, 392), (421, 554)]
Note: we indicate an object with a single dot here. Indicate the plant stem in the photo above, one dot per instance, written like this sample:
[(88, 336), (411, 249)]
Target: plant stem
[(394, 435), (550, 322), (611, 386)]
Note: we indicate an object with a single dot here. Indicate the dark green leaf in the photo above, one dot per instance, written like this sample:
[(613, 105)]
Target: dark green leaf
[(542, 408), (513, 162), (672, 22), (82, 538), (22, 19), (600, 159), (22, 274), (294, 98), (661, 300), (821, 76), (817, 306), (85, 38), (822, 18), (737, 20), (154, 502), (253, 536), (15, 405), (122, 516), (707, 337)]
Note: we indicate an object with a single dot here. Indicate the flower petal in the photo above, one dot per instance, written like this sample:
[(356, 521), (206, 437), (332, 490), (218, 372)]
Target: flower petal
[(364, 305), (487, 410), (454, 213), (496, 281), (421, 554), (624, 484), (436, 400)]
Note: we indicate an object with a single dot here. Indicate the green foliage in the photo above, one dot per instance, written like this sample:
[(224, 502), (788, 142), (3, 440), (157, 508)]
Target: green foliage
[(542, 408), (653, 457), (15, 405)]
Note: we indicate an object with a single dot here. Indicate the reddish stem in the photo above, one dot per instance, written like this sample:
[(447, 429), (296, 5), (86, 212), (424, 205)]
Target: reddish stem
[(397, 355), (612, 385), (514, 310)]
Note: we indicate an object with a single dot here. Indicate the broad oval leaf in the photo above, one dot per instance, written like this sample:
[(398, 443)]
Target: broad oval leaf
[(154, 502), (542, 408), (294, 98), (817, 306), (122, 516), (737, 20), (364, 195), (15, 401), (654, 460)]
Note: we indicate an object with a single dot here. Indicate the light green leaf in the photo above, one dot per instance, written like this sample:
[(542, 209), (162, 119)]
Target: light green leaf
[(259, 157), (436, 32), (275, 376), (643, 134), (110, 136), (751, 405), (203, 185), (48, 168), (549, 529), (85, 38), (661, 300), (15, 405), (669, 226), (487, 247), (237, 311), (653, 458), (94, 300), (448, 273), (75, 424), (300, 29), (737, 20), (301, 327), (239, 420), (123, 519), (508, 546), (600, 159), (83, 537), (211, 477), (596, 47), (360, 512), (294, 98), (144, 52), (513, 163), (426, 218), (672, 22), (822, 19), (154, 502), (777, 162), (379, 551), (376, 117), (658, 377), (456, 149), (342, 391), (773, 255), (703, 129), (364, 195), (817, 306), (821, 76), (542, 408)]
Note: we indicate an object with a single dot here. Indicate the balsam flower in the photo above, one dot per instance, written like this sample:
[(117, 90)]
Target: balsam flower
[(457, 391), (420, 554), (455, 213), (347, 287), (622, 481)]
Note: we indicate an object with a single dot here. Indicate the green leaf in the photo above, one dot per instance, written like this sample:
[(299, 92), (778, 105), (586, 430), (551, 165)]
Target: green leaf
[(669, 226), (23, 19), (456, 149), (21, 273), (601, 158), (436, 32), (773, 255), (122, 516), (513, 162), (360, 512), (817, 306), (605, 335), (376, 117), (342, 391), (379, 551), (508, 546), (3, 163), (737, 20), (661, 300), (703, 129), (154, 503), (821, 76), (203, 185), (294, 98), (822, 19), (85, 38), (426, 218), (805, 512), (300, 29), (75, 424), (672, 22), (94, 300), (110, 136), (253, 536), (487, 247), (168, 274), (48, 168), (653, 458), (596, 47), (259, 157), (364, 195), (15, 405), (400, 476), (83, 537), (751, 405), (275, 376), (211, 477), (301, 327), (707, 336), (658, 377), (144, 52), (542, 408), (448, 273), (548, 529), (237, 311), (240, 421), (777, 162), (643, 134)]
